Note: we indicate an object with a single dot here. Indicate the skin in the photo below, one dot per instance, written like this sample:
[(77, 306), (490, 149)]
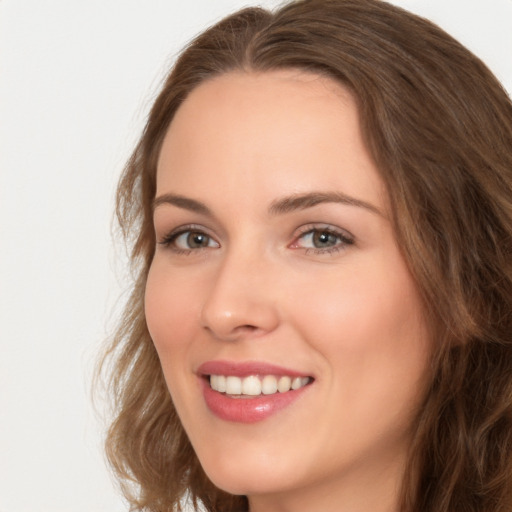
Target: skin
[(346, 313)]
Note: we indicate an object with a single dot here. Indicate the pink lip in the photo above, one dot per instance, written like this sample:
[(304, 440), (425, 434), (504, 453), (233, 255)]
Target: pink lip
[(251, 409)]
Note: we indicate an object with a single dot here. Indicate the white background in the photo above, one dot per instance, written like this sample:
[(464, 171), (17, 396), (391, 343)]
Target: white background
[(76, 81)]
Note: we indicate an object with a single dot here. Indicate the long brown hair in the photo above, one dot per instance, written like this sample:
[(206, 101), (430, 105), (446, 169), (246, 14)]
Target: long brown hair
[(439, 127)]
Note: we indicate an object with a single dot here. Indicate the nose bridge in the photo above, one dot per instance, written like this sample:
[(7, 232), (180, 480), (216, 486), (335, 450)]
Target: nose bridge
[(240, 299)]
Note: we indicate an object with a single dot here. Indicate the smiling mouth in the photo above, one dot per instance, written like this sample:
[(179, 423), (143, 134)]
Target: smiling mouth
[(254, 385)]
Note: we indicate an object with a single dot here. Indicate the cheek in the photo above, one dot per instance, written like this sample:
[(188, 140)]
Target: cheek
[(368, 326), (351, 305), (171, 304), (169, 308), (369, 331)]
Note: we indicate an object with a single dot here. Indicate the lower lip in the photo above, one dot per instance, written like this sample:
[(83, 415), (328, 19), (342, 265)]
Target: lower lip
[(248, 410)]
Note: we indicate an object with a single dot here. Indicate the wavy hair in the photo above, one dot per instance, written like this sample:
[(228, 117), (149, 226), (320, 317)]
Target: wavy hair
[(439, 126)]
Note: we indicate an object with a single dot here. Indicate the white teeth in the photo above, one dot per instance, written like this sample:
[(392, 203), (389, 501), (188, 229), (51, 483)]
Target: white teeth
[(233, 385), (269, 385), (221, 383), (254, 386), (297, 383), (251, 386), (284, 384)]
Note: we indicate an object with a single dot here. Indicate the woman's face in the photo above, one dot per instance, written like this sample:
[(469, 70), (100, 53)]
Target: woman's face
[(276, 266)]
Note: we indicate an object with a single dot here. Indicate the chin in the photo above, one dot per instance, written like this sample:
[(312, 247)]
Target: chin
[(248, 476), (249, 484)]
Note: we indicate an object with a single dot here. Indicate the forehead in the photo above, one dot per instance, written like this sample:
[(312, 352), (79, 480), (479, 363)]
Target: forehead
[(275, 130)]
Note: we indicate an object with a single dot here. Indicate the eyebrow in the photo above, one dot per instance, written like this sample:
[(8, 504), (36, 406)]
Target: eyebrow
[(278, 207), (310, 199), (181, 202)]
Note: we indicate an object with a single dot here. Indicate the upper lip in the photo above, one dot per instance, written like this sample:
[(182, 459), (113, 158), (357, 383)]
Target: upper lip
[(246, 368)]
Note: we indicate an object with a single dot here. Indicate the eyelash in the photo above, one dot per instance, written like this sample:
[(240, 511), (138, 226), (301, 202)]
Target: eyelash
[(345, 239), (169, 240)]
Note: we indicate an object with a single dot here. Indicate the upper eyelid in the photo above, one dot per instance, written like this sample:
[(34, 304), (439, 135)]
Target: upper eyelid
[(169, 241), (172, 234), (346, 239), (183, 228), (319, 226)]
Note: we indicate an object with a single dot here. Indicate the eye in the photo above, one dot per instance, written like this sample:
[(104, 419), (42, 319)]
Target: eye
[(193, 240), (187, 239), (322, 239)]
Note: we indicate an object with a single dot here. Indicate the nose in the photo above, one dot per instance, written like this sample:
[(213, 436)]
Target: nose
[(241, 302)]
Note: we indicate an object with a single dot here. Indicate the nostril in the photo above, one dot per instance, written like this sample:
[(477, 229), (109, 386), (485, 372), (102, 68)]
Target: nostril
[(246, 329), (236, 333)]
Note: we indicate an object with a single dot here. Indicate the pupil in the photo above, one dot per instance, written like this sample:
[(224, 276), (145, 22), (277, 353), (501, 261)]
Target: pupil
[(323, 238), (197, 240)]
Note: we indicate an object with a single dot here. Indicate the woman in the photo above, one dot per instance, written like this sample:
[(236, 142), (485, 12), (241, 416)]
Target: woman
[(320, 211)]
